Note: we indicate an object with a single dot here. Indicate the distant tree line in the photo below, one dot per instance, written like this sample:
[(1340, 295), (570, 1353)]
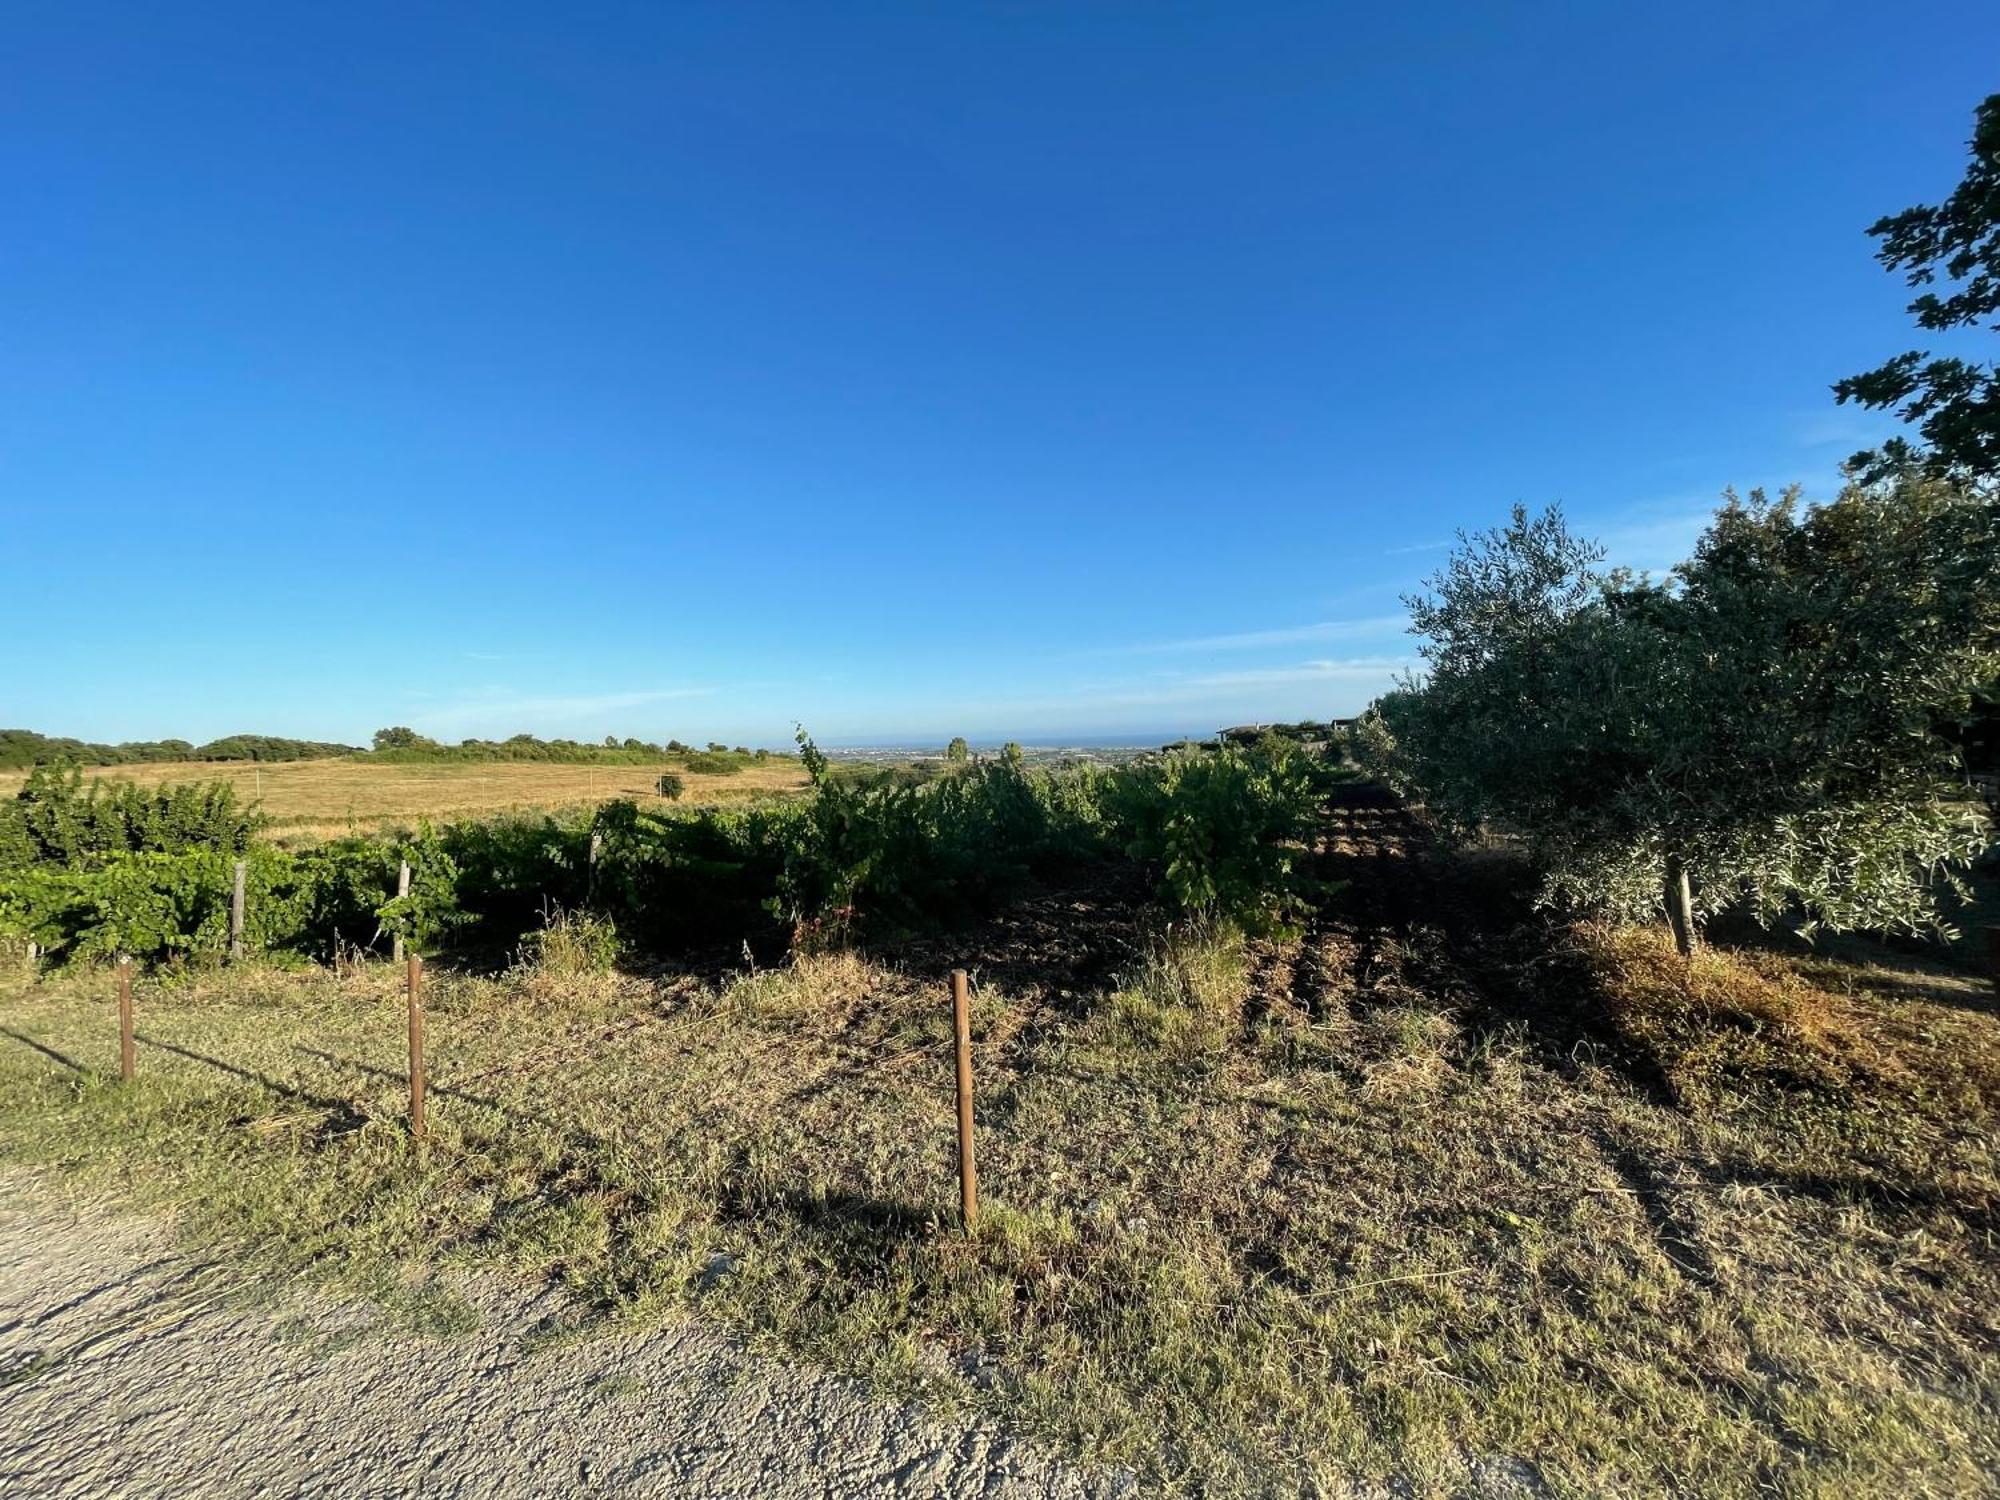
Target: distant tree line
[(21, 748), (400, 743)]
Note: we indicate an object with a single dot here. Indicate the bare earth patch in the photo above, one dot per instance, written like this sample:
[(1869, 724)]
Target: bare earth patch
[(128, 1368)]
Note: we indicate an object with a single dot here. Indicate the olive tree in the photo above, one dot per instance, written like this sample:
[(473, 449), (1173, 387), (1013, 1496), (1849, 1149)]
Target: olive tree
[(1764, 724)]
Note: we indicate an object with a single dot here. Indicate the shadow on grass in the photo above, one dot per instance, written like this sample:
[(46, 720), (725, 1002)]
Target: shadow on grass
[(437, 1090), (343, 1115), (1900, 968), (1461, 930), (1904, 1203), (858, 1218), (46, 1051)]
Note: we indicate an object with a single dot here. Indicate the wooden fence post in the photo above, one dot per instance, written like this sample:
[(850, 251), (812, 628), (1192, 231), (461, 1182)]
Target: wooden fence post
[(125, 1060), (236, 913), (590, 886), (402, 890), (415, 983), (1680, 908), (968, 1176)]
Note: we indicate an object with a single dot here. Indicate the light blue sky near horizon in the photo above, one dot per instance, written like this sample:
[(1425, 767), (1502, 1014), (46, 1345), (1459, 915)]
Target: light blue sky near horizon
[(1046, 372)]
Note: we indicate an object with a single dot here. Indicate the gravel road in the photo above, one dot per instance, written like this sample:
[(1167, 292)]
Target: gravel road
[(126, 1370)]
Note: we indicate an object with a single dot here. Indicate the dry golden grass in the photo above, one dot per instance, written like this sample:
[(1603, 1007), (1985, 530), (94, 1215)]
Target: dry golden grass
[(1454, 1223), (1438, 1196), (320, 798)]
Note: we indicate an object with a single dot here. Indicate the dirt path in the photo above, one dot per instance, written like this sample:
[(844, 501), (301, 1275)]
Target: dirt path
[(125, 1370)]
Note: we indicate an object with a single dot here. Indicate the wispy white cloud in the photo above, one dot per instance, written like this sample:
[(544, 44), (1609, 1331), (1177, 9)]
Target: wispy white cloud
[(1286, 635), (1220, 688), (1844, 427), (1653, 544), (557, 713), (1438, 546), (1334, 670)]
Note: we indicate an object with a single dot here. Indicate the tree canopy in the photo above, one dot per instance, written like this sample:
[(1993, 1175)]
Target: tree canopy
[(1954, 403), (1768, 722)]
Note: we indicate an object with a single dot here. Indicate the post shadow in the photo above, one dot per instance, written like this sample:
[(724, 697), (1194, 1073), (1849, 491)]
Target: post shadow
[(46, 1051)]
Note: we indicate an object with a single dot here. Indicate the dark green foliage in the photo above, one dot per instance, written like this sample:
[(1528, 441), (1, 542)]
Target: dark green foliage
[(402, 746), (1977, 732), (712, 762), (700, 881), (149, 873), (1220, 830), (892, 854), (670, 785), (1307, 732), (23, 747), (1954, 403), (507, 868), (1765, 724), (266, 747), (56, 819)]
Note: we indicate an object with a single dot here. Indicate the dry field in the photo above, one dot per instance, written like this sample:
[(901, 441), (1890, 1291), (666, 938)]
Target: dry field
[(1438, 1197), (320, 798)]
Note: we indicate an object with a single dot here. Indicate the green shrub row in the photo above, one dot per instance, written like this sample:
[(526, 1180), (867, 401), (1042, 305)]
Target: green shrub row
[(88, 871)]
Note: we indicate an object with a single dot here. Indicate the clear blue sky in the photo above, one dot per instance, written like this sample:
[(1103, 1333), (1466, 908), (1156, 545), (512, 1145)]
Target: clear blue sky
[(1037, 371)]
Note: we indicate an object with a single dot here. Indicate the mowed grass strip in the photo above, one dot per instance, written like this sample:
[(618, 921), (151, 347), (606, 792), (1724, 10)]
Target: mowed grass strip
[(1739, 1242), (322, 798)]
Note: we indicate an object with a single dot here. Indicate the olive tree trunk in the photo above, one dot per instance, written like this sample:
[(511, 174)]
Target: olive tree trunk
[(1680, 908)]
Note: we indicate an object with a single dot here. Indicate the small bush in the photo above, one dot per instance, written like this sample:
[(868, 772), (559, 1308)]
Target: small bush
[(569, 944), (1183, 1000), (722, 762), (670, 785), (1221, 830)]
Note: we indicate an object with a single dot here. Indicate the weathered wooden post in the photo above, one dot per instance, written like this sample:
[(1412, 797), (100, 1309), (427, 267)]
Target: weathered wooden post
[(590, 884), (968, 1176), (1680, 908), (126, 1066), (402, 890), (415, 984), (236, 912)]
